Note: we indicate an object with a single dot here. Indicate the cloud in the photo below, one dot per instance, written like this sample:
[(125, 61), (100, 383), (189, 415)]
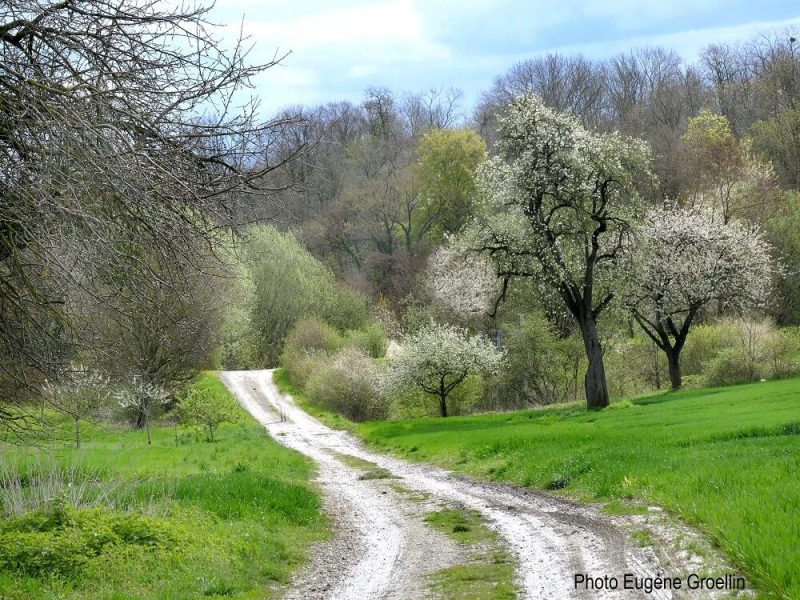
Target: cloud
[(386, 23), (340, 47)]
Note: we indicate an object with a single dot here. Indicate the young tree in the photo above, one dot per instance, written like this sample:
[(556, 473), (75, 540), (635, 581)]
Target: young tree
[(208, 407), (78, 393), (683, 261), (560, 204), (437, 358)]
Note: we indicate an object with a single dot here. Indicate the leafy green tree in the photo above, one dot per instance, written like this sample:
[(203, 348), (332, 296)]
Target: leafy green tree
[(446, 173), (290, 284), (779, 139), (207, 405)]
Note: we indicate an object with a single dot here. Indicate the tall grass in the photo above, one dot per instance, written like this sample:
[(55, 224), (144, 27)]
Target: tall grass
[(37, 480)]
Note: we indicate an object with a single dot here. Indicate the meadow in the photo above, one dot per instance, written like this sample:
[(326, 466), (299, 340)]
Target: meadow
[(726, 460), (181, 518)]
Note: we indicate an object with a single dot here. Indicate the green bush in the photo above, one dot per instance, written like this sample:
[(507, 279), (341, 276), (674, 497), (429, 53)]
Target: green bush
[(540, 368), (730, 366), (307, 346), (312, 335), (61, 540), (371, 340), (704, 343), (783, 353), (346, 385)]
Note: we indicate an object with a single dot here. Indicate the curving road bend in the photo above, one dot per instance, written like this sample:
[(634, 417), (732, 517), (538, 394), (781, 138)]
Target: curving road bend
[(383, 549)]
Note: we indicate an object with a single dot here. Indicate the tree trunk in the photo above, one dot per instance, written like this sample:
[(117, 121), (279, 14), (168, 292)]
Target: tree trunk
[(443, 405), (674, 360), (147, 427), (77, 433), (595, 381)]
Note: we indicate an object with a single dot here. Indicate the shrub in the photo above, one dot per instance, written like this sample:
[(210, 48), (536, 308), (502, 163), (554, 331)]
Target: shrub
[(783, 353), (540, 367), (371, 340), (703, 345), (312, 335), (346, 385), (730, 366), (61, 540), (308, 344)]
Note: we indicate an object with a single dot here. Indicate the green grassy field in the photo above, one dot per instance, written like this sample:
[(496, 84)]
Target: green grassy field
[(231, 518), (724, 459)]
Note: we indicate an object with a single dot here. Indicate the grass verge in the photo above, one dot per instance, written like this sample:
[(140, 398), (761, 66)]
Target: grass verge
[(185, 518)]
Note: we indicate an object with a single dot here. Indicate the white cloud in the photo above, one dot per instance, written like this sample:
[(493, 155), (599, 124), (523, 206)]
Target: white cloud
[(393, 21)]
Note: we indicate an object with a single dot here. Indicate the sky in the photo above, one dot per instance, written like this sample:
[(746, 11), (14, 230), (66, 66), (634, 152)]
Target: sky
[(337, 49)]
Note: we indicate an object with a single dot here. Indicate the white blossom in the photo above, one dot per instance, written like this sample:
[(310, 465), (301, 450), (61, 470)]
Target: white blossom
[(684, 261), (466, 282), (437, 358)]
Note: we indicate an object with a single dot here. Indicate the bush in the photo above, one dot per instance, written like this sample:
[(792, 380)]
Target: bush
[(346, 385), (730, 366), (741, 350), (703, 344), (307, 346), (371, 340), (541, 368), (783, 353), (61, 540), (311, 336)]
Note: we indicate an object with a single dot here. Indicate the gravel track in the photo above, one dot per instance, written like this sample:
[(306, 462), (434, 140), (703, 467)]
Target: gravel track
[(382, 547)]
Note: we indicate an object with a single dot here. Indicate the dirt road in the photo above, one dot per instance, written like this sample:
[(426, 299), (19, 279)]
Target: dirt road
[(383, 548)]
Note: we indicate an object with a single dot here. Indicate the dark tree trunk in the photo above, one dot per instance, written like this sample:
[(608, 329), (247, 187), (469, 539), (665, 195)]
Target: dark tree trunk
[(443, 405), (595, 381), (141, 417), (674, 360)]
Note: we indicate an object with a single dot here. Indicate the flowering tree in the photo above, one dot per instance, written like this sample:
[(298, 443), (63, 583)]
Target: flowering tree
[(560, 203), (683, 261), (437, 358), (78, 393), (466, 282), (143, 398)]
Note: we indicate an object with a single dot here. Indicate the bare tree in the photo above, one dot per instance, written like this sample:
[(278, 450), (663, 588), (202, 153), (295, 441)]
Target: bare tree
[(119, 131)]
